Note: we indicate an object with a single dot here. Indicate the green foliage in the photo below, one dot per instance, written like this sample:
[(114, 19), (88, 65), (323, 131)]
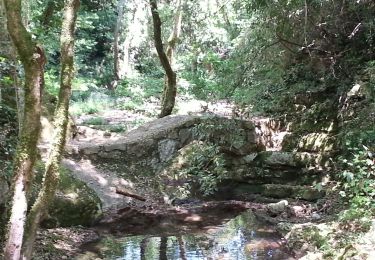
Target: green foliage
[(140, 88), (358, 185), (52, 82), (205, 166), (216, 131), (95, 121), (88, 102), (203, 86), (369, 73), (8, 140)]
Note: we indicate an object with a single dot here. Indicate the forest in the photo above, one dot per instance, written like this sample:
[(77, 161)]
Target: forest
[(186, 129)]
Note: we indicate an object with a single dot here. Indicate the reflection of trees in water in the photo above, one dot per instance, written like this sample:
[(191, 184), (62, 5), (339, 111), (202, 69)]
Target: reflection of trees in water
[(163, 248), (143, 246), (147, 247), (240, 238), (181, 245)]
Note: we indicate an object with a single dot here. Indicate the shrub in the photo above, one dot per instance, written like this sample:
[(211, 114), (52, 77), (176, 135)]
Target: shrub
[(95, 121), (358, 176)]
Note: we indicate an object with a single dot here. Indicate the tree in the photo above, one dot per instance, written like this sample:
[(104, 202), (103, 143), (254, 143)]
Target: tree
[(116, 52), (175, 34), (170, 86), (33, 60), (61, 119), (18, 237)]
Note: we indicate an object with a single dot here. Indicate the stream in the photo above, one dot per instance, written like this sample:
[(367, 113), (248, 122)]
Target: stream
[(242, 237)]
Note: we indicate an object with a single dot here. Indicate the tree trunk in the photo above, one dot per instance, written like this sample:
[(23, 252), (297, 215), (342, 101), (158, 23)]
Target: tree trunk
[(170, 90), (175, 35), (120, 15), (61, 119), (48, 13), (33, 60)]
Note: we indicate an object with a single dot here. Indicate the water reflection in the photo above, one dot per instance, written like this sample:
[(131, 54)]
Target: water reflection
[(241, 238)]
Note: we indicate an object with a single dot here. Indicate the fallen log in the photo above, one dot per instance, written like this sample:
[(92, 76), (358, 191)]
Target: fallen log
[(129, 194)]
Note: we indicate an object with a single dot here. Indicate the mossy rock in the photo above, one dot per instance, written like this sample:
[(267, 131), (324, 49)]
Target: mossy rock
[(316, 142), (262, 175), (290, 142), (277, 191), (243, 189), (280, 191), (278, 159), (308, 237), (74, 203), (315, 160)]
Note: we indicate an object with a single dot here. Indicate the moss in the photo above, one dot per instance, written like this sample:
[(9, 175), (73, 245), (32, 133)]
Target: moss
[(280, 191), (277, 191), (74, 203)]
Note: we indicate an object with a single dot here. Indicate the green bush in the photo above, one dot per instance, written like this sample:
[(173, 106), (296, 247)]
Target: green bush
[(205, 167), (358, 182), (95, 121), (140, 88)]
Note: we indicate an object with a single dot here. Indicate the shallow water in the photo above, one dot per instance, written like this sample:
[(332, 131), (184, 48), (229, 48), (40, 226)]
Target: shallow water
[(240, 238)]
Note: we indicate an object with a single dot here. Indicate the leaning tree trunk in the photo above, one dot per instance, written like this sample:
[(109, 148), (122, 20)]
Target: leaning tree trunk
[(170, 89), (33, 60), (61, 119)]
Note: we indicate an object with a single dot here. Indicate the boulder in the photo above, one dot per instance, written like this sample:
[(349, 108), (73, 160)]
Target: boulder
[(74, 203), (277, 208)]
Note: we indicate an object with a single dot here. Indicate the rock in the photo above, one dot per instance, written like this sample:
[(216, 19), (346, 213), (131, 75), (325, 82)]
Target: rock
[(315, 160), (315, 216), (277, 159), (277, 191), (290, 191), (354, 91), (277, 208), (167, 148), (309, 193), (74, 204), (306, 237), (260, 175), (296, 211), (316, 142), (262, 245), (284, 228), (250, 157)]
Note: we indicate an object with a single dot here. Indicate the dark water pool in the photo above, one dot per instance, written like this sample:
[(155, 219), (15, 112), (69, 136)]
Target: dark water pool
[(240, 238)]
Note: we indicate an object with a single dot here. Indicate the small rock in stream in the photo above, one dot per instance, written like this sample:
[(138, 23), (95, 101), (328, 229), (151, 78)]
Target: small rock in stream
[(277, 208)]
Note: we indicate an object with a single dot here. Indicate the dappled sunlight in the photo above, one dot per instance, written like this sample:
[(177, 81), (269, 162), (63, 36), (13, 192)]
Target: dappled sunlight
[(103, 183), (193, 218)]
